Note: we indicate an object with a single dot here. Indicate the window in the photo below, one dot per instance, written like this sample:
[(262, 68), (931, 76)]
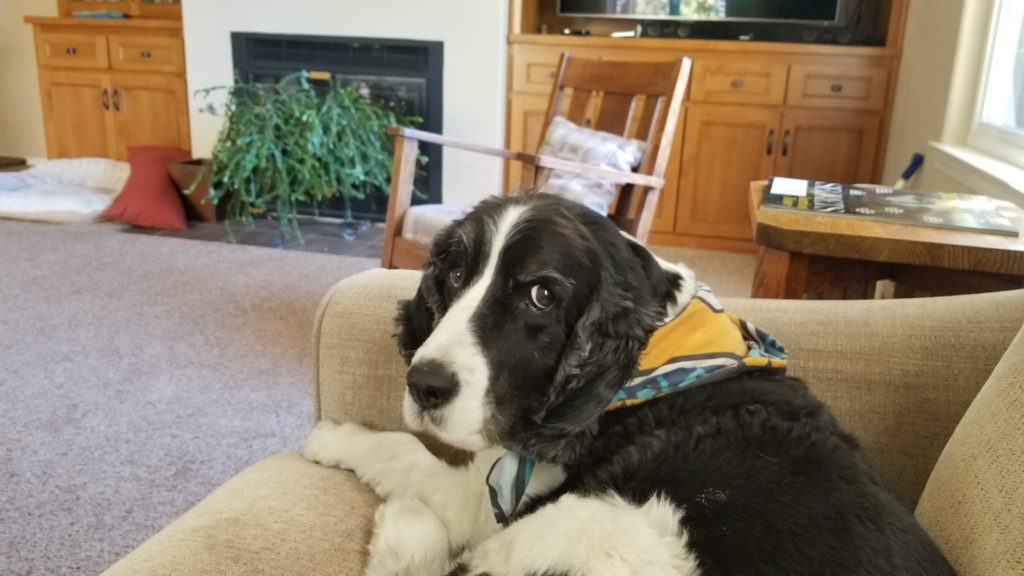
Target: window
[(998, 128)]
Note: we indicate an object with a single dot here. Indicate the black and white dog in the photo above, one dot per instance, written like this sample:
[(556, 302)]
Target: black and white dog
[(531, 315)]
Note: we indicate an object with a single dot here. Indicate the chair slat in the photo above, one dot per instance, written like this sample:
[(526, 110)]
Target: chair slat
[(648, 113), (615, 113), (649, 78), (578, 106)]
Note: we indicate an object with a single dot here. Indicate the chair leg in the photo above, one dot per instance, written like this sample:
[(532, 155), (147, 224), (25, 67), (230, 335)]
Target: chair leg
[(403, 172)]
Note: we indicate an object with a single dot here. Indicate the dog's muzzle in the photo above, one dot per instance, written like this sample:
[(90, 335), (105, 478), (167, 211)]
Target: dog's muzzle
[(431, 384)]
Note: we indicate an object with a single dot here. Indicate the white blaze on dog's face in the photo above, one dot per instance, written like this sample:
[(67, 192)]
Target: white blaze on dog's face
[(530, 314)]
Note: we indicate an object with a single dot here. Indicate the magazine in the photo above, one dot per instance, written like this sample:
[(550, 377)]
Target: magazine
[(937, 209)]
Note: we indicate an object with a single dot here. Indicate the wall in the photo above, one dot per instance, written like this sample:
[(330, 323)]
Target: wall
[(937, 86), (473, 31), (21, 113)]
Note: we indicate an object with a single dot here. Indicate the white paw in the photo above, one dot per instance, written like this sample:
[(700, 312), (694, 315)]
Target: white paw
[(408, 540), (332, 444)]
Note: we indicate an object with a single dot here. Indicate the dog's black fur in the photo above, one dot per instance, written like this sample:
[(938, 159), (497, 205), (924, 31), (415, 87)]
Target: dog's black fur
[(768, 481)]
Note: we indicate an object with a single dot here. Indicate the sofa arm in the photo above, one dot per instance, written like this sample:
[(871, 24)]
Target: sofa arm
[(282, 515), (358, 373), (898, 374)]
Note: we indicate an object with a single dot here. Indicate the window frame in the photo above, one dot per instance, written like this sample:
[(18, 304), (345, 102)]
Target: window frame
[(997, 141)]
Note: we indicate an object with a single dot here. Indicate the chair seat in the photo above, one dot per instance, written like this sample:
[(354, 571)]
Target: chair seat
[(424, 221)]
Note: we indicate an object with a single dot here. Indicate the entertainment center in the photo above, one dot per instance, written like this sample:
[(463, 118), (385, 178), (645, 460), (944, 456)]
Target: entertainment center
[(770, 104)]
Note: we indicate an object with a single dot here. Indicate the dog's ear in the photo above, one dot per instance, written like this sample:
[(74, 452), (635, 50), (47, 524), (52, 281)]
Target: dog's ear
[(628, 305)]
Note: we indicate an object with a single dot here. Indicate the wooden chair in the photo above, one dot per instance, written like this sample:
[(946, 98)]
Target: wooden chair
[(641, 100)]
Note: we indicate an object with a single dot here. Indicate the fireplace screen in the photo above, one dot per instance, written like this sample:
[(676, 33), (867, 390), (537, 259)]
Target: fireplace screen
[(406, 74)]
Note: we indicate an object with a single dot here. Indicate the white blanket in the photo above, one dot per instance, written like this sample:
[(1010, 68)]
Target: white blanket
[(67, 190)]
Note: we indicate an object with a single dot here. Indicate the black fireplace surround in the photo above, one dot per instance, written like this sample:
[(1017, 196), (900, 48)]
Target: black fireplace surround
[(406, 73)]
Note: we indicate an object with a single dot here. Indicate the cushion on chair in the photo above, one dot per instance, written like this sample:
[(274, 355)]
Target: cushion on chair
[(568, 141), (973, 504), (423, 222)]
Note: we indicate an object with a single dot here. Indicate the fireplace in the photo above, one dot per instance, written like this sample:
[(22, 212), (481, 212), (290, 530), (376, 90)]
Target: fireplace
[(407, 74)]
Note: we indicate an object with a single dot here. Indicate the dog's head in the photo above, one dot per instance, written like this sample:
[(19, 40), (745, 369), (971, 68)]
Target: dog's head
[(531, 313)]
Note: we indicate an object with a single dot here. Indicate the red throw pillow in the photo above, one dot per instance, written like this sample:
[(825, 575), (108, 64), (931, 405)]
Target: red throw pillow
[(149, 198)]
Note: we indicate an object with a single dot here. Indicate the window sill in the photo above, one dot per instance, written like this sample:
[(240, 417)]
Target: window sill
[(979, 173)]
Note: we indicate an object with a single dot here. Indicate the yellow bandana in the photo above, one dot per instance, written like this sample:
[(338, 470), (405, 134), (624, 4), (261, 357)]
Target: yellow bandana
[(703, 344)]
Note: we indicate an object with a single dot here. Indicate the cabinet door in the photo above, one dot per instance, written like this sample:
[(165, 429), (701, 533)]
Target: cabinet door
[(665, 213), (150, 109), (525, 130), (828, 145), (724, 149), (76, 109)]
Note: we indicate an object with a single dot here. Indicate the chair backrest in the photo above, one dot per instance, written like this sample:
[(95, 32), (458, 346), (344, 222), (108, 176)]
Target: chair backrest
[(641, 100)]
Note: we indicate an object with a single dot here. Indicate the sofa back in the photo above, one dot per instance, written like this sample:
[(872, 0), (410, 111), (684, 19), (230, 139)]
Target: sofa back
[(898, 374)]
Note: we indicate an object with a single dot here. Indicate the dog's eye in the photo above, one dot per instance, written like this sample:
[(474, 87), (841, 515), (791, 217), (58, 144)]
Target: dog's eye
[(541, 298), (455, 277)]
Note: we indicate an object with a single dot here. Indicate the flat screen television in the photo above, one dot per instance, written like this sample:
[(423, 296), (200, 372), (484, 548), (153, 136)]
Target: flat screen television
[(863, 22), (762, 10)]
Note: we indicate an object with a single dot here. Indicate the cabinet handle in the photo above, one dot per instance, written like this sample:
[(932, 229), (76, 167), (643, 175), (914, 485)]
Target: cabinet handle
[(737, 83), (117, 101), (105, 99), (785, 140), (771, 142), (147, 54), (71, 50), (836, 88)]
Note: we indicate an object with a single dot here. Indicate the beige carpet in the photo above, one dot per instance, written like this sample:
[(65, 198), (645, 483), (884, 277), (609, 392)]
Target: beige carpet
[(137, 373), (727, 273)]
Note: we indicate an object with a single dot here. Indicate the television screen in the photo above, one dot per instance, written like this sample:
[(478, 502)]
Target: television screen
[(788, 10)]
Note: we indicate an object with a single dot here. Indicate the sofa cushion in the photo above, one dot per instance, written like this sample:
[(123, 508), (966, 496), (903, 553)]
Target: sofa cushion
[(424, 221), (973, 504), (282, 515)]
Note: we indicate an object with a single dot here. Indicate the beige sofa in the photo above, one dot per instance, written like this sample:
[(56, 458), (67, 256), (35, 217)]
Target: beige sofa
[(934, 389)]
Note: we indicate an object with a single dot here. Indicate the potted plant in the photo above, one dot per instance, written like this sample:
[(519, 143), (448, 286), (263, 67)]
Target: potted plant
[(284, 145)]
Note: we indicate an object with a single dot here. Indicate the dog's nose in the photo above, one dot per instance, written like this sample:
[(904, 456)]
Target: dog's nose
[(431, 385)]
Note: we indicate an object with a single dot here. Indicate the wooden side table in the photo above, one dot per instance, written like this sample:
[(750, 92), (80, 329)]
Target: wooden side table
[(814, 256)]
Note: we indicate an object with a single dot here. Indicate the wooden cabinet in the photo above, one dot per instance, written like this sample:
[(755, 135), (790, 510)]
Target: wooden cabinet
[(724, 149), (828, 145), (526, 120), (149, 109), (109, 85), (754, 110), (82, 101)]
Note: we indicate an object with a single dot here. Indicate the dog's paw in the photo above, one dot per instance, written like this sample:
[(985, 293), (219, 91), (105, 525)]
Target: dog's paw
[(408, 540), (331, 444)]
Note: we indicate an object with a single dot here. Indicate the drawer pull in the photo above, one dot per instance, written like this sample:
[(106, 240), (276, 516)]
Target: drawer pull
[(146, 54), (785, 141), (71, 50), (737, 83), (117, 101), (771, 142), (836, 88), (105, 99)]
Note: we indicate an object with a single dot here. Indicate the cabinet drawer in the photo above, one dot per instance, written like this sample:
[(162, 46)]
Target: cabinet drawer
[(738, 82), (147, 53), (861, 88), (534, 72), (68, 50)]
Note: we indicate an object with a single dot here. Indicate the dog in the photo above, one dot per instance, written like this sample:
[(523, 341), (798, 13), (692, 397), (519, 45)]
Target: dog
[(532, 314)]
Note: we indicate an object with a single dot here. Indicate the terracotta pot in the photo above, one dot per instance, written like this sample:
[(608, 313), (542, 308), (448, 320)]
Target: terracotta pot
[(184, 174)]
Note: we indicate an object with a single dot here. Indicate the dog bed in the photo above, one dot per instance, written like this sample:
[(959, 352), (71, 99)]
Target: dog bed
[(66, 190)]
